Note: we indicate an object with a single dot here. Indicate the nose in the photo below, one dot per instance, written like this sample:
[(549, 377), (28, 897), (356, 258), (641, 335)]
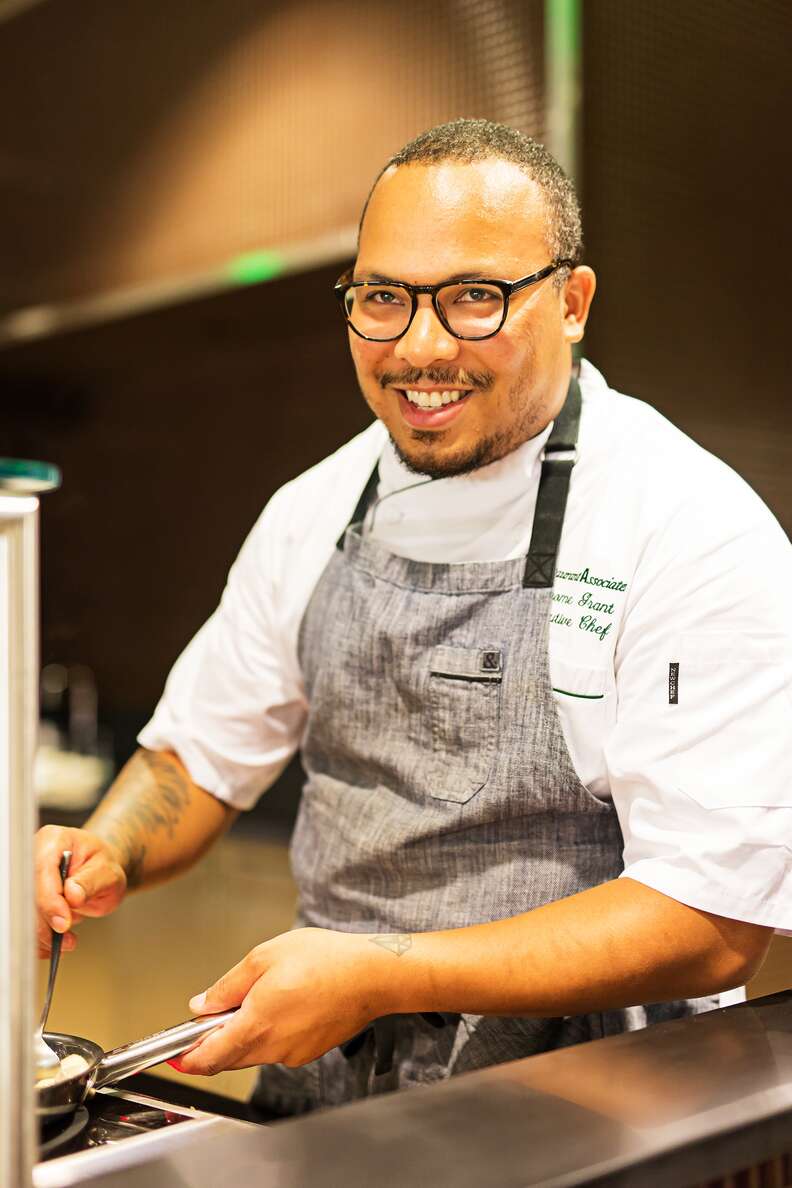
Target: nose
[(426, 339)]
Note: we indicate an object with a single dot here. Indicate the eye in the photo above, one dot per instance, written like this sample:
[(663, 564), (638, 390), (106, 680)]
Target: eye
[(477, 295), (382, 297)]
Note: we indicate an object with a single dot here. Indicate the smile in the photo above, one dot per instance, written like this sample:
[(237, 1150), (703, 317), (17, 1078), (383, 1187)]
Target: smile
[(432, 410), (433, 399)]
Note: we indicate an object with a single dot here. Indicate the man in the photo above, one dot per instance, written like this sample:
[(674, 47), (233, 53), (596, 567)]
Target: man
[(522, 630)]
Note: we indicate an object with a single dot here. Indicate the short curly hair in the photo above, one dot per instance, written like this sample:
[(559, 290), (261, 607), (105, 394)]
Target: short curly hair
[(467, 140)]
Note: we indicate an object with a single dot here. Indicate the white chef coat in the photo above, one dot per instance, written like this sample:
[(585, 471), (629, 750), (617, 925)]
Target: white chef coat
[(667, 558)]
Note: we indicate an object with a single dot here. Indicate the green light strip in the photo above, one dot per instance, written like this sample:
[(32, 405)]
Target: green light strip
[(249, 268), (254, 267), (563, 79), (563, 18)]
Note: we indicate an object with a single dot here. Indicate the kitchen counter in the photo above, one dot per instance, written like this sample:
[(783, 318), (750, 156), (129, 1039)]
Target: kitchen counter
[(675, 1105)]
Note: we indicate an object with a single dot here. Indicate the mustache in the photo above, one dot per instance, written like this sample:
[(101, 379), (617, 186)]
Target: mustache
[(481, 380)]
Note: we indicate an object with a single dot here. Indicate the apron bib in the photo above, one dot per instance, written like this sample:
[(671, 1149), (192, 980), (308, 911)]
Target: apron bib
[(440, 792)]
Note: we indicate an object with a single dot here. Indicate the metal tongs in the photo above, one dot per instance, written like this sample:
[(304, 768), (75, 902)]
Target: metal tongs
[(47, 1061)]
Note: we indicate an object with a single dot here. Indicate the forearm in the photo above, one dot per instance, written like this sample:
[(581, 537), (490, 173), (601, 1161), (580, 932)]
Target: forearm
[(157, 819), (310, 989), (616, 945)]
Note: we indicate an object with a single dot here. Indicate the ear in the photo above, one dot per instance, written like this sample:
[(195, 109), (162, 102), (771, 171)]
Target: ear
[(576, 301)]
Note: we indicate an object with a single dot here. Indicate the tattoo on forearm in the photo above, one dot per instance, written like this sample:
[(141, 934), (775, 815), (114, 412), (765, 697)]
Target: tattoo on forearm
[(134, 866), (396, 942), (151, 796)]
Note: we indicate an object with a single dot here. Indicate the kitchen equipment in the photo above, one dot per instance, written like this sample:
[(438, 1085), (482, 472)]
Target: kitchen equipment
[(46, 1058), (20, 484), (63, 1098), (109, 1117)]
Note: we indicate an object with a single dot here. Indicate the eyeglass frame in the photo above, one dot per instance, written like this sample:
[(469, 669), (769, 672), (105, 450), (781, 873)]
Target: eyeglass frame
[(507, 288)]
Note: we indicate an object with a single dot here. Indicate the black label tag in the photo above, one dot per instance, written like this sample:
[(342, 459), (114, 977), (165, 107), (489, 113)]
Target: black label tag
[(673, 684)]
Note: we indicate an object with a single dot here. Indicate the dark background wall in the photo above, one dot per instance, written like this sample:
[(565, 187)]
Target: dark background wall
[(173, 428), (154, 138), (159, 139), (686, 194), (172, 431)]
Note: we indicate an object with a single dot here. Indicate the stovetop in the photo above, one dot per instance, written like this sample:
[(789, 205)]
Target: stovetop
[(111, 1116)]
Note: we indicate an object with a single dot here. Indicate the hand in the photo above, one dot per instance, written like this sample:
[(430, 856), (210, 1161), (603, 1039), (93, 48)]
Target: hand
[(95, 886), (301, 994)]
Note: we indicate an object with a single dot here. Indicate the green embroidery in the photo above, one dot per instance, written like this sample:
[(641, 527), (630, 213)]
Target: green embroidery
[(590, 579)]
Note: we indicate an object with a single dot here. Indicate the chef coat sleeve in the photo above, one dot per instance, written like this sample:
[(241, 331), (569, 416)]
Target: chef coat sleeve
[(233, 707), (699, 759)]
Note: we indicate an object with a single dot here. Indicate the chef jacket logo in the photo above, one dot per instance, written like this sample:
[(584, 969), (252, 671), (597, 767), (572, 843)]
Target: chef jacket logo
[(490, 661)]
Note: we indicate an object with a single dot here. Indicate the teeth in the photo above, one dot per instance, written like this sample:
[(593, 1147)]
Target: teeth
[(432, 399)]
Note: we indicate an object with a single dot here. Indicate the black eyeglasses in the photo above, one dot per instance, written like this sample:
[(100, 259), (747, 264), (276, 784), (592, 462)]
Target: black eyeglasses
[(382, 311)]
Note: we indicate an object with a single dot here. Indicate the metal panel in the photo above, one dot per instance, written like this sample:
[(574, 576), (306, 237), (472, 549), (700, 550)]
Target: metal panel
[(639, 1110), (18, 717)]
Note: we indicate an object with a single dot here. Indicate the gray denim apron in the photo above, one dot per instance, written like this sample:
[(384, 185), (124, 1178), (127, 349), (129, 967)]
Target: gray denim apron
[(440, 792)]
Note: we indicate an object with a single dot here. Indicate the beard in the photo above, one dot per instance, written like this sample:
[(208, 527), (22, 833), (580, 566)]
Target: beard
[(489, 449), (527, 422)]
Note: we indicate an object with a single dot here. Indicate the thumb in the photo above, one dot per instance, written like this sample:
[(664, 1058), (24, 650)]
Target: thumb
[(229, 990), (98, 878)]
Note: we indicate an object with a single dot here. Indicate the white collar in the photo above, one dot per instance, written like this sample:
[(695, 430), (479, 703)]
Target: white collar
[(462, 518), (470, 516), (516, 469)]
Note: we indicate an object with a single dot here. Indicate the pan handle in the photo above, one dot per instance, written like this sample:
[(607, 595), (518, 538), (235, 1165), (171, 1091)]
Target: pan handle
[(142, 1054)]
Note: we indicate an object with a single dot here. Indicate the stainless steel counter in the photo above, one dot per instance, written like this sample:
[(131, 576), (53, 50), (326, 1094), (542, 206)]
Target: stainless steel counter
[(674, 1105)]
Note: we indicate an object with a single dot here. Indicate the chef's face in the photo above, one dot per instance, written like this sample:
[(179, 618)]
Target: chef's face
[(484, 220)]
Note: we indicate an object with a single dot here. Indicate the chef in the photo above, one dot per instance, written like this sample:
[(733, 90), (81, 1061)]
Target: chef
[(533, 645)]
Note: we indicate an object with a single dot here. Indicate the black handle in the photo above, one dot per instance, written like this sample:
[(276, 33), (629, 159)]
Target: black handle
[(57, 941)]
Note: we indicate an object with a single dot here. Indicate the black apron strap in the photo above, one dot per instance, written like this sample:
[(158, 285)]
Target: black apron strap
[(361, 507), (560, 455)]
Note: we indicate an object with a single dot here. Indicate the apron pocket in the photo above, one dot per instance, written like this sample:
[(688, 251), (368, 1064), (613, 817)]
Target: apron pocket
[(464, 703)]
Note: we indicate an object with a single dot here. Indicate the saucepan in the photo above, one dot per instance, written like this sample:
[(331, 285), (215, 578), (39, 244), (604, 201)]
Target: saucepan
[(58, 1101)]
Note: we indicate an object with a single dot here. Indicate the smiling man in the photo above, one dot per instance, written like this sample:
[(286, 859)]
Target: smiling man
[(498, 369), (541, 693)]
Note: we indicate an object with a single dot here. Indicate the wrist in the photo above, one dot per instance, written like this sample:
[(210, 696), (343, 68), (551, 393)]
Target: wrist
[(398, 972), (119, 849)]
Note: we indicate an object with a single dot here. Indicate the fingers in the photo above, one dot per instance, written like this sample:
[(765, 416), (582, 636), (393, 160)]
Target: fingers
[(229, 990), (51, 841), (68, 943), (96, 883), (281, 1019), (230, 1046), (96, 887)]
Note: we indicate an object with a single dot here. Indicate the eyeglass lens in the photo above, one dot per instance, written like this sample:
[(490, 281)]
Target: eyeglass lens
[(383, 311)]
